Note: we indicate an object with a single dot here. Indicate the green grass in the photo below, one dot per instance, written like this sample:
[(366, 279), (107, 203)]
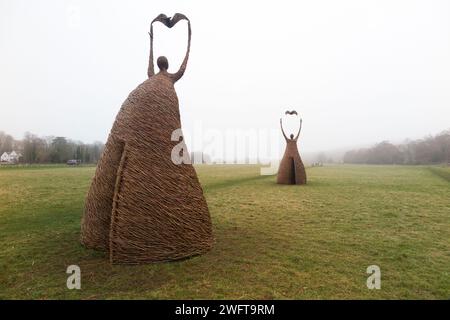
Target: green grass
[(443, 172), (272, 241)]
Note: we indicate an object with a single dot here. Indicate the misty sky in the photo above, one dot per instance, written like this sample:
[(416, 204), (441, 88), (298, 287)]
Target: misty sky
[(358, 72)]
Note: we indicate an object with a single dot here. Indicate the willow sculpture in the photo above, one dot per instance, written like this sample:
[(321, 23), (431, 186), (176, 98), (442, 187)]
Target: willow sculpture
[(291, 170), (143, 207)]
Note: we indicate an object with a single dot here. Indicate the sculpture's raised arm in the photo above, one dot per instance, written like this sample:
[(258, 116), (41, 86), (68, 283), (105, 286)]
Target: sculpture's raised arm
[(151, 68), (165, 20), (299, 129), (284, 134), (176, 76)]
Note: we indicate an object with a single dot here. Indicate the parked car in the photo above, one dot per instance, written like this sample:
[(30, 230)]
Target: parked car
[(73, 162)]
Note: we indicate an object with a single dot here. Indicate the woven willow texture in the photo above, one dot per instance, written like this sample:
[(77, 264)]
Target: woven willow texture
[(142, 207)]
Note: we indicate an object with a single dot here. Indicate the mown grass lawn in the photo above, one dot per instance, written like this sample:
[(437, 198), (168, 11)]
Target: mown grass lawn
[(272, 241)]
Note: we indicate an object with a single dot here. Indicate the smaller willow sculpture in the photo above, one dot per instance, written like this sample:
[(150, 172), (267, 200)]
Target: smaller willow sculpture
[(291, 170)]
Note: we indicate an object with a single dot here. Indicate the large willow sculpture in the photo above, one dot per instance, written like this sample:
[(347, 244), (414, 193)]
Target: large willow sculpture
[(142, 207)]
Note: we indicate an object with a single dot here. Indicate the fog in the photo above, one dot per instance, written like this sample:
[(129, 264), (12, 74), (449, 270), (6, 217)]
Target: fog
[(357, 72)]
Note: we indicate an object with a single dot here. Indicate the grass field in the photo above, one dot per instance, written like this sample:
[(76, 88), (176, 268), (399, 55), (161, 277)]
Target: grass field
[(272, 241)]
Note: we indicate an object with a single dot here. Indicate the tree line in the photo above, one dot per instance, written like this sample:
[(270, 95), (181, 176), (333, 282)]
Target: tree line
[(430, 150), (35, 149)]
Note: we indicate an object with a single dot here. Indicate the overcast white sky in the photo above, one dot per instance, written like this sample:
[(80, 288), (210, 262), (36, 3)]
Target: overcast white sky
[(358, 72)]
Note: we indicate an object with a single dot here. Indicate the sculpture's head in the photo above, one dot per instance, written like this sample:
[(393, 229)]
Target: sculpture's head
[(163, 63), (292, 136)]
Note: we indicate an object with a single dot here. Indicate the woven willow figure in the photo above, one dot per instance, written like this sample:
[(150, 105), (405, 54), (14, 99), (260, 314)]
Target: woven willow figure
[(291, 170), (141, 206)]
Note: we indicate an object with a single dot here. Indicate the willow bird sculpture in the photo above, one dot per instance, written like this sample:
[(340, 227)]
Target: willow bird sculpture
[(291, 170), (142, 207)]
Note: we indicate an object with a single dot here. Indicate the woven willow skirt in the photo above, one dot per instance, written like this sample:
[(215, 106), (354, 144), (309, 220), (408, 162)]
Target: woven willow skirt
[(142, 207), (291, 170)]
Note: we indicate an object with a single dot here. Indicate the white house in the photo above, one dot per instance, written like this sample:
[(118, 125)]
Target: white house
[(10, 157), (4, 157)]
